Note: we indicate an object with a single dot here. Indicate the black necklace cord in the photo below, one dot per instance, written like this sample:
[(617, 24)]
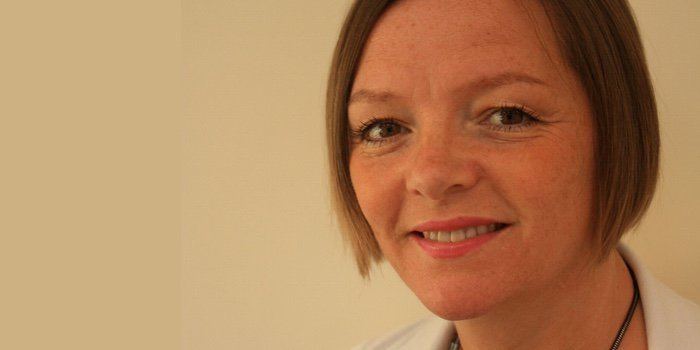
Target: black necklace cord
[(455, 344), (630, 312)]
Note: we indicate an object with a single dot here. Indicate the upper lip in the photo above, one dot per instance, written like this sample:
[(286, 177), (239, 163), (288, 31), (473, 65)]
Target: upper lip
[(454, 223)]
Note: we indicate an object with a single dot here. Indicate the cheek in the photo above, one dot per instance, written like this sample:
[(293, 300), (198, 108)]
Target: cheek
[(377, 185), (551, 186)]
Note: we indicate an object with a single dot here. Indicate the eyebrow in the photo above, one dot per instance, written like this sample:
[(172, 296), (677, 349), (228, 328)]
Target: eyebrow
[(482, 85)]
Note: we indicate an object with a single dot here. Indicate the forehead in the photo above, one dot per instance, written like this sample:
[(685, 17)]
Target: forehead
[(445, 42)]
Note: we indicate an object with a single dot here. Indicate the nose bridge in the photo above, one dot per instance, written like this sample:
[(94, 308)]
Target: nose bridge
[(437, 146), (442, 163)]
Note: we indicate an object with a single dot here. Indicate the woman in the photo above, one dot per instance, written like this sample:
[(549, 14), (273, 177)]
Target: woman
[(494, 152)]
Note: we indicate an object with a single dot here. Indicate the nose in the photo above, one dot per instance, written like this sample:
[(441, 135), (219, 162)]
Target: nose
[(442, 165)]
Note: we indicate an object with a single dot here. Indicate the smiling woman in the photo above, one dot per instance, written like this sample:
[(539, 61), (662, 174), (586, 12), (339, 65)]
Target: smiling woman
[(494, 153)]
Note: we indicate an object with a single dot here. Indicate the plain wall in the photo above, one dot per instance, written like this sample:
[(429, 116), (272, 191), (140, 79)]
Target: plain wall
[(263, 265), (90, 107)]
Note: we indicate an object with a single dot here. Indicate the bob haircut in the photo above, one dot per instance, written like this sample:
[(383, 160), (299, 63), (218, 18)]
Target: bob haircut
[(600, 42)]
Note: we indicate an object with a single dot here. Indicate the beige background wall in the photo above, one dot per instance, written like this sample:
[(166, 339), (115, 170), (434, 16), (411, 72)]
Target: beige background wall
[(262, 263), (90, 107)]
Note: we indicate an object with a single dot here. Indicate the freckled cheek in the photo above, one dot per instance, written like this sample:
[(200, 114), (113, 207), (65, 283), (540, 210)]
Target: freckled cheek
[(546, 187), (378, 193)]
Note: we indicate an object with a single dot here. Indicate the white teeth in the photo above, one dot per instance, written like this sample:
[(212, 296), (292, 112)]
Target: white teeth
[(459, 235), (471, 232)]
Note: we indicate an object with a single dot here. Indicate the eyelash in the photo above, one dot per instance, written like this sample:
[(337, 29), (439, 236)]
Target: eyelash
[(361, 132), (531, 118)]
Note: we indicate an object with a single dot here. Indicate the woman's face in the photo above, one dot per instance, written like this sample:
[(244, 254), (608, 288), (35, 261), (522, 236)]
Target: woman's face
[(438, 92)]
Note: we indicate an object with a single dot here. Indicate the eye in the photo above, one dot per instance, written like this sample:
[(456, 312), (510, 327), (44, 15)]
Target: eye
[(511, 119), (378, 130)]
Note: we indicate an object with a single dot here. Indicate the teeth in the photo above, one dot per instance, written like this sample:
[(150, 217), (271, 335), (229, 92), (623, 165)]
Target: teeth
[(471, 232), (457, 236), (460, 235)]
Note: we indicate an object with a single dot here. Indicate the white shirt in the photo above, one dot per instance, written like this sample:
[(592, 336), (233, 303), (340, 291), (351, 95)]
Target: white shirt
[(672, 322)]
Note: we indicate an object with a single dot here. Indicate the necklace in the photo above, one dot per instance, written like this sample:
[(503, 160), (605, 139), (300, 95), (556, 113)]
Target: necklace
[(455, 345)]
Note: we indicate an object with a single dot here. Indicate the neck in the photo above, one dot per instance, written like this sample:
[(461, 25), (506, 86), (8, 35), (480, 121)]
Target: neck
[(583, 311)]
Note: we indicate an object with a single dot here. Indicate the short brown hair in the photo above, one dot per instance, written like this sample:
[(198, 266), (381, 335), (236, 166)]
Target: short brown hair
[(600, 42)]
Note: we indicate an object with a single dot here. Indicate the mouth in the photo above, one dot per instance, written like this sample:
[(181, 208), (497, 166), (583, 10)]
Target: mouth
[(460, 235), (456, 243)]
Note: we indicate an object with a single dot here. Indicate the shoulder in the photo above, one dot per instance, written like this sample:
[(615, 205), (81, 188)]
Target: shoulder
[(428, 333), (672, 322)]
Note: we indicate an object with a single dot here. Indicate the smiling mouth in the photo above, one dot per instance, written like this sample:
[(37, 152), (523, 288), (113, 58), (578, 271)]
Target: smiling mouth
[(461, 234)]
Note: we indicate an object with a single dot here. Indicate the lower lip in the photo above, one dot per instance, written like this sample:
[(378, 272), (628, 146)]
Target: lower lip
[(448, 250)]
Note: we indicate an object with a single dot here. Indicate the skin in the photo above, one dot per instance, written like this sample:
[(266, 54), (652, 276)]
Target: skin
[(535, 285)]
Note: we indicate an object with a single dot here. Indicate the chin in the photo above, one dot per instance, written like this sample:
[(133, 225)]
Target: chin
[(455, 305)]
